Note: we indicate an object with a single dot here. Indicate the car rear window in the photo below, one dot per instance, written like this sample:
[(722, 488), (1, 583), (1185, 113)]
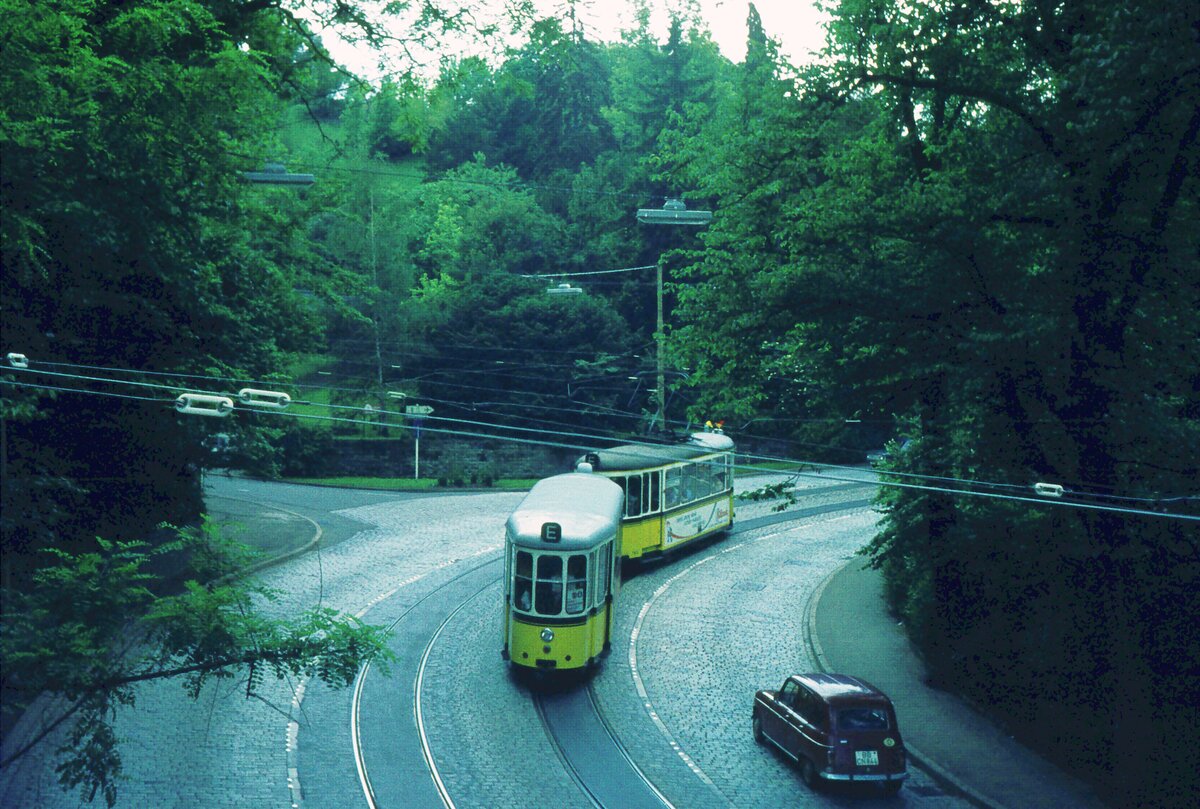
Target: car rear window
[(862, 719)]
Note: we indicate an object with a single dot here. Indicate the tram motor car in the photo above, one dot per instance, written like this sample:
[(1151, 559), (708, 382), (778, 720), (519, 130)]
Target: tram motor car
[(561, 573)]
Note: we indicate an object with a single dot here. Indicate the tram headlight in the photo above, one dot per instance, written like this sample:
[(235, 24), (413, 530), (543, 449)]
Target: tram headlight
[(547, 635)]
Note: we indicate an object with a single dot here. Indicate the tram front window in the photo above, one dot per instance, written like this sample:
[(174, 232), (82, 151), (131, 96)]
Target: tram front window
[(523, 581), (576, 584), (547, 599)]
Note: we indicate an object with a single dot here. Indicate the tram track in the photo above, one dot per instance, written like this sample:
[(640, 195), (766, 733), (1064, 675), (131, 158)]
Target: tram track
[(590, 752), (443, 792), (607, 774), (417, 673)]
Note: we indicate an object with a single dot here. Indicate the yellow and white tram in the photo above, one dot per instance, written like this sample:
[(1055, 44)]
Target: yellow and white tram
[(560, 566), (675, 494)]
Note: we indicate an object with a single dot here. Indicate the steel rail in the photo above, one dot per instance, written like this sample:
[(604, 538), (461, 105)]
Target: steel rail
[(569, 767), (356, 702), (443, 792), (561, 754), (543, 707)]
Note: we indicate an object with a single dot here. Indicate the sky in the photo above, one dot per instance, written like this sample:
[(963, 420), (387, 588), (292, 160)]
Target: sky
[(795, 24)]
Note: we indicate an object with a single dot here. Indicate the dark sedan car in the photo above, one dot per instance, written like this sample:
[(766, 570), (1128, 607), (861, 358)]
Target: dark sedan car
[(835, 727)]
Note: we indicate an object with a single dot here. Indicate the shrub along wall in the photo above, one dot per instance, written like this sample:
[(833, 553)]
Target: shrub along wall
[(453, 459)]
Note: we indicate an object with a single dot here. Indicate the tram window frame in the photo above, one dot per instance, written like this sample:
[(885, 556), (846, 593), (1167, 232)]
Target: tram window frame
[(605, 571), (548, 585), (654, 480), (624, 484), (594, 572), (576, 592), (672, 487), (522, 585), (690, 484), (634, 496)]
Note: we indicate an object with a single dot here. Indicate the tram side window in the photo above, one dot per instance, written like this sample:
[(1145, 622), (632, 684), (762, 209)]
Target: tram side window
[(698, 481), (633, 496), (594, 571), (523, 589), (547, 597), (708, 478), (576, 584), (673, 487), (691, 483), (721, 473), (655, 480), (604, 571)]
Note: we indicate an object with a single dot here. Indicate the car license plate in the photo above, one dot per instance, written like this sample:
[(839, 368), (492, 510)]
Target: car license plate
[(866, 758)]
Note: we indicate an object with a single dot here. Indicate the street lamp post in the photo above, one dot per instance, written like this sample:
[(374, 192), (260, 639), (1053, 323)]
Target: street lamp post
[(673, 212)]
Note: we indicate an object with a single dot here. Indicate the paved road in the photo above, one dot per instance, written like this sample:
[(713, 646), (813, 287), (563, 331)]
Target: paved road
[(710, 628)]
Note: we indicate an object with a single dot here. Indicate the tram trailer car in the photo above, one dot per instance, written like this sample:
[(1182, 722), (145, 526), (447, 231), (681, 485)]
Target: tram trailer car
[(675, 494), (560, 565)]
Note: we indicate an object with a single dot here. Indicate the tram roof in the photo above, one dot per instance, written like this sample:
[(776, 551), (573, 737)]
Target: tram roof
[(587, 507), (641, 456)]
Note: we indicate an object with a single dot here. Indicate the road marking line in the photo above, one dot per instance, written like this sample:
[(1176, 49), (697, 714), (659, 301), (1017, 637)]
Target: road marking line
[(637, 631)]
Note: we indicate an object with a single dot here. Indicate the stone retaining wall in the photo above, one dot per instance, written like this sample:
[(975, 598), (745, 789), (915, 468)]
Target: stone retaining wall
[(467, 461)]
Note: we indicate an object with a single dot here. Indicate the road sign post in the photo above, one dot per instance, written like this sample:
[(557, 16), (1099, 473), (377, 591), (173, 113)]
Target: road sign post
[(417, 449), (417, 413)]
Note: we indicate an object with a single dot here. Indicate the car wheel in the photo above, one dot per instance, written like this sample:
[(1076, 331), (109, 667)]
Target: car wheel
[(756, 724), (892, 787), (808, 773)]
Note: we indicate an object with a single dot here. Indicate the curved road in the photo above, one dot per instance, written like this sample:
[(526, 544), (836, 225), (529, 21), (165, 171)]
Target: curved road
[(695, 638)]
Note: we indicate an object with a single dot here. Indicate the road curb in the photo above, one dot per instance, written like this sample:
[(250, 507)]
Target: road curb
[(263, 564), (812, 645)]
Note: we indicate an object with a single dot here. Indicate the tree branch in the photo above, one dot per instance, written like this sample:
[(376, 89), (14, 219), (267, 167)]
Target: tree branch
[(996, 99), (42, 734), (1175, 177)]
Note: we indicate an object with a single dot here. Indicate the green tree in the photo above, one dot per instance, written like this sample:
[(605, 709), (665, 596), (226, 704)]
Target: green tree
[(532, 354), (983, 227), (653, 84), (478, 220), (130, 244), (539, 113), (746, 330), (97, 623)]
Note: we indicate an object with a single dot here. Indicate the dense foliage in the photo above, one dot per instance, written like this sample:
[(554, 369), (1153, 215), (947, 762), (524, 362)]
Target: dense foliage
[(979, 220), (129, 244), (972, 225)]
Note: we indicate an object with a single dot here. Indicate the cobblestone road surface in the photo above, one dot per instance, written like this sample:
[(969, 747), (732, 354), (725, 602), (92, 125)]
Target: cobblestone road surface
[(711, 628), (225, 751)]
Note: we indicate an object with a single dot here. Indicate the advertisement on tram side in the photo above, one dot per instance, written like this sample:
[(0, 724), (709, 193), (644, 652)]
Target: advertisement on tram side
[(703, 519)]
